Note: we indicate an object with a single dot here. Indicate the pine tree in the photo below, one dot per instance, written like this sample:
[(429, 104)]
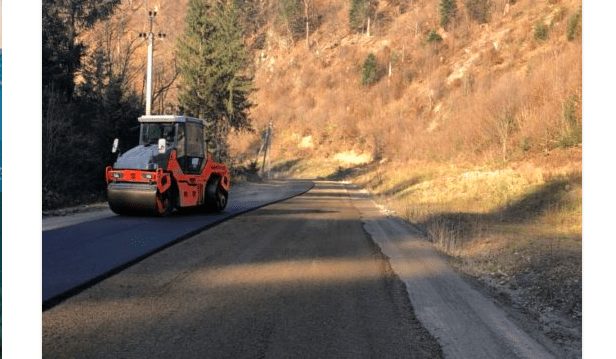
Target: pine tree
[(360, 12), (62, 47), (448, 10), (212, 62), (370, 71)]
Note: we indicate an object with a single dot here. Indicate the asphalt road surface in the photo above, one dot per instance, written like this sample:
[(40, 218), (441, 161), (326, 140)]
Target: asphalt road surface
[(322, 275), (83, 248), (300, 278)]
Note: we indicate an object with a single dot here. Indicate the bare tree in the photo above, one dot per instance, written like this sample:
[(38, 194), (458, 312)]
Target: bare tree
[(307, 4), (505, 124), (163, 84)]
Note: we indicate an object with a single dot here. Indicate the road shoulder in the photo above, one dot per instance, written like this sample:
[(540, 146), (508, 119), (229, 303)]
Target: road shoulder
[(465, 321)]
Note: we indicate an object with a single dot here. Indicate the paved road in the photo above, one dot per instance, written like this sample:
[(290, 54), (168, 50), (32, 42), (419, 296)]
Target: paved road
[(300, 278), (307, 277), (79, 249)]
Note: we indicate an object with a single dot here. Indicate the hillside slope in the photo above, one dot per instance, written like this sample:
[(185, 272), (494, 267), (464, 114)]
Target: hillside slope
[(486, 92)]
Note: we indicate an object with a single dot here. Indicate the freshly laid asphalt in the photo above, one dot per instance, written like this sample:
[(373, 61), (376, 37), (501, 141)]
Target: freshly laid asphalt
[(327, 274), (296, 279), (76, 256)]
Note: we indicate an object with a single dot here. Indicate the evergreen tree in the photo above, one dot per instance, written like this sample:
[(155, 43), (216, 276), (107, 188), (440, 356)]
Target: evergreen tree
[(63, 21), (79, 117), (370, 70), (359, 13), (448, 10), (212, 62)]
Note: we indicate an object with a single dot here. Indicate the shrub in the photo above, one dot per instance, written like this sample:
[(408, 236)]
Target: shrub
[(570, 139), (448, 10), (478, 10), (525, 144), (408, 76), (572, 134), (560, 14), (433, 37), (541, 31), (370, 71), (290, 14), (260, 41), (505, 125), (573, 25)]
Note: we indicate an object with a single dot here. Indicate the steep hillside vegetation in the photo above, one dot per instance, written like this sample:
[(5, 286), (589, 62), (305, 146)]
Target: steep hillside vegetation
[(491, 92)]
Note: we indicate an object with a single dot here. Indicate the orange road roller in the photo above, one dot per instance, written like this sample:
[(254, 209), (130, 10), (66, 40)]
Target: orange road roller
[(170, 168)]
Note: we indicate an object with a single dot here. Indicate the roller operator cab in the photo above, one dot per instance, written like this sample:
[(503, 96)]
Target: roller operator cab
[(170, 168)]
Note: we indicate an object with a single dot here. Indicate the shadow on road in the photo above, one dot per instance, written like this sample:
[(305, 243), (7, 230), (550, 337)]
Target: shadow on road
[(298, 278)]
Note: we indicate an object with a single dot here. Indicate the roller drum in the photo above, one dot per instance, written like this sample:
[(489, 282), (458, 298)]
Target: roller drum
[(132, 198)]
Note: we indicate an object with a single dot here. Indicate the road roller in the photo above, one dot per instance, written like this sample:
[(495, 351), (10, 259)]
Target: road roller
[(170, 169)]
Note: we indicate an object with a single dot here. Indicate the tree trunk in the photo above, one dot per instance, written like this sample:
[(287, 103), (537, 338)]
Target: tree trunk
[(307, 24), (504, 150)]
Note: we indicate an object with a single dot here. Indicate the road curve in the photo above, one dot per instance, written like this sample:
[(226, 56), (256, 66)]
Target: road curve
[(300, 278), (82, 249)]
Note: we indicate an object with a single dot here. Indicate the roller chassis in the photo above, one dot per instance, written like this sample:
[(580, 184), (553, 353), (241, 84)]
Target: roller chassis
[(161, 190)]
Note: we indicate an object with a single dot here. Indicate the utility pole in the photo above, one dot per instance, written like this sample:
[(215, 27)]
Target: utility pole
[(265, 166), (149, 36)]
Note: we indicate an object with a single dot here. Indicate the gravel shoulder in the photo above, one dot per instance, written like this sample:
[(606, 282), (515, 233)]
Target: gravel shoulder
[(467, 323)]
